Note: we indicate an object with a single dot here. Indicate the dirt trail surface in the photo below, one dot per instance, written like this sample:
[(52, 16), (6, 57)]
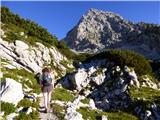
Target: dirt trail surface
[(46, 116)]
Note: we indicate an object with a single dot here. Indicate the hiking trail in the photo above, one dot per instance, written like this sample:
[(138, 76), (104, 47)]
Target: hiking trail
[(46, 116)]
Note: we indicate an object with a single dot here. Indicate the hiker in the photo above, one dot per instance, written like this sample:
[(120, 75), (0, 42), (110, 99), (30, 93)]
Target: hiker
[(46, 82)]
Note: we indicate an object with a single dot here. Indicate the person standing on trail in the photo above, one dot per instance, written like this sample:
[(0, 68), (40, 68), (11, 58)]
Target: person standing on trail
[(46, 83)]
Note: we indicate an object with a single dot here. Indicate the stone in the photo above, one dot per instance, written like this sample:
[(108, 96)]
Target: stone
[(11, 116), (20, 45), (99, 79), (156, 111), (19, 109), (92, 104), (22, 33), (147, 115), (91, 70), (11, 91), (78, 78), (134, 78), (1, 74), (149, 83), (9, 66), (104, 117), (118, 68), (1, 113), (29, 110), (72, 114)]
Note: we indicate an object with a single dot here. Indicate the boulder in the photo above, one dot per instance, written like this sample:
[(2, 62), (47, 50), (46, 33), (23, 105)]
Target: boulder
[(20, 45), (79, 78), (11, 91)]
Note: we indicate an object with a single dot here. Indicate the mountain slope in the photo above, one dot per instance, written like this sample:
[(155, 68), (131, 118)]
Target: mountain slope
[(103, 86), (98, 30)]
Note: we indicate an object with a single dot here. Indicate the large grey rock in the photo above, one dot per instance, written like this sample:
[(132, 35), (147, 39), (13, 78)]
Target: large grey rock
[(11, 91)]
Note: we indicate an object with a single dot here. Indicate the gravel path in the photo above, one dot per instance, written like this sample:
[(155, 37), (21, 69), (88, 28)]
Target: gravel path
[(46, 116)]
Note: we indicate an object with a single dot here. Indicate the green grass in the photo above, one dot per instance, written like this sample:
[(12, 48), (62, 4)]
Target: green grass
[(85, 101), (62, 94), (145, 94), (15, 73), (94, 114), (58, 111), (27, 103), (7, 107), (12, 33), (32, 116), (65, 64)]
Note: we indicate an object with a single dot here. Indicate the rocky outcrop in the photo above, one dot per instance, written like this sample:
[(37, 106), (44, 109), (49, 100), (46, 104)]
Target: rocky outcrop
[(82, 77), (11, 91), (31, 58), (98, 30), (108, 86)]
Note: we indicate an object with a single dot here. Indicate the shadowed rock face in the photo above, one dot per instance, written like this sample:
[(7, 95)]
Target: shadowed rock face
[(98, 30)]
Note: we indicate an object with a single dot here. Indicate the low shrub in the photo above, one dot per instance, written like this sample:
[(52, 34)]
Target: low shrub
[(7, 107), (62, 94), (111, 115), (32, 116), (58, 111)]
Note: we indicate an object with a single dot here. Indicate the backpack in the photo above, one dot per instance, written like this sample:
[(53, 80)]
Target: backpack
[(37, 77), (46, 79)]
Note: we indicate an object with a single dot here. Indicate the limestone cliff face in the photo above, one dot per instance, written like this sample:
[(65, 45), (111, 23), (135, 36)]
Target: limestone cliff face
[(98, 30)]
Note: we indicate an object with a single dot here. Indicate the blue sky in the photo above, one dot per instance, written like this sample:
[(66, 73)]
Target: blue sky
[(60, 17)]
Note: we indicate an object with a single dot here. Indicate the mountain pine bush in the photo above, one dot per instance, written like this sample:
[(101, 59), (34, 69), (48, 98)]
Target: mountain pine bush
[(126, 58)]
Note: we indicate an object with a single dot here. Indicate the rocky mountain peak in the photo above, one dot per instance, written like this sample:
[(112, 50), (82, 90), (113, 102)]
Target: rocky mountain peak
[(98, 30)]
